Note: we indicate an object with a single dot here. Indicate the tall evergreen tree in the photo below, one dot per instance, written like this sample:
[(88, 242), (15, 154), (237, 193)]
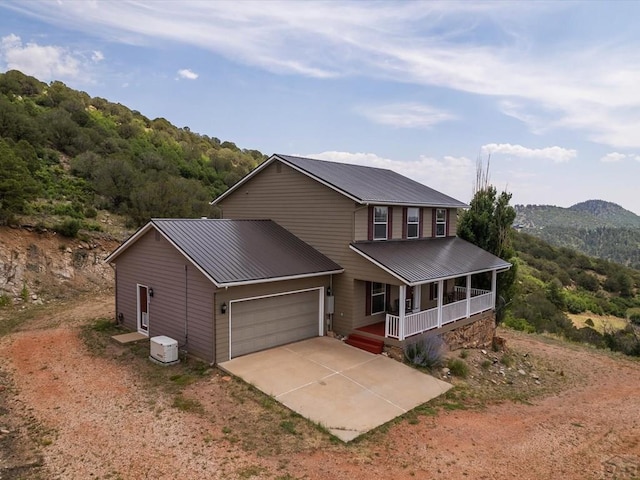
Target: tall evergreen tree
[(487, 224)]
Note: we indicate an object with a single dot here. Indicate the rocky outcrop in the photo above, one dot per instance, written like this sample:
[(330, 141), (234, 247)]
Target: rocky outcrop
[(36, 266)]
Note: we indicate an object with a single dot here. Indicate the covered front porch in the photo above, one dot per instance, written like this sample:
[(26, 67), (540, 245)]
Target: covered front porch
[(462, 302), (442, 283)]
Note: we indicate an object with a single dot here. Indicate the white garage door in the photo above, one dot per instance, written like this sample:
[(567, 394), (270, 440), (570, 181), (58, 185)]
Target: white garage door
[(268, 322)]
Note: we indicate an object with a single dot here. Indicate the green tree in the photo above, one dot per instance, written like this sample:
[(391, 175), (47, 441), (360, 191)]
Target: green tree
[(487, 224), (17, 186)]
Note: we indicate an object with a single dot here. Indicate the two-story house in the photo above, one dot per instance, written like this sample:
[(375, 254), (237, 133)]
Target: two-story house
[(348, 248)]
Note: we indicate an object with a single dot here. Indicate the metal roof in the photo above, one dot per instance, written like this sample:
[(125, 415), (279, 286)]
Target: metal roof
[(236, 252), (365, 185), (426, 260)]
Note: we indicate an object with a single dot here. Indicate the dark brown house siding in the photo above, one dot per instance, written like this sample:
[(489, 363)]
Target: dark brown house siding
[(182, 302)]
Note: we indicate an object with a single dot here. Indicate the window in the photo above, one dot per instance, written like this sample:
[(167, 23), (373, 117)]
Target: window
[(413, 222), (441, 222), (380, 223), (378, 297)]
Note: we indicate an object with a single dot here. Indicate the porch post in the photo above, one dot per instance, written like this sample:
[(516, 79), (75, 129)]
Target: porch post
[(468, 296), (440, 296), (401, 310), (417, 298), (494, 277)]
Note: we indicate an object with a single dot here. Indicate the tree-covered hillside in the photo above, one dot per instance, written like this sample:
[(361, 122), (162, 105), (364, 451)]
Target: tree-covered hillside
[(66, 154), (595, 227), (555, 281)]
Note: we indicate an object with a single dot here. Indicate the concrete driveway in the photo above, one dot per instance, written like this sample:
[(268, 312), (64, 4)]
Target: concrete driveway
[(345, 389)]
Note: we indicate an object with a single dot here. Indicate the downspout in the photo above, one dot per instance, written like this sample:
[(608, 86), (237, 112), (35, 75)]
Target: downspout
[(213, 332), (186, 306), (330, 326)]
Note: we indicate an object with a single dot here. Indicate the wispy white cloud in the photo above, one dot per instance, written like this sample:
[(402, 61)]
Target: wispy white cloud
[(46, 62), (613, 157), (616, 157), (555, 154), (97, 56), (450, 175), (187, 73), (588, 86), (405, 115)]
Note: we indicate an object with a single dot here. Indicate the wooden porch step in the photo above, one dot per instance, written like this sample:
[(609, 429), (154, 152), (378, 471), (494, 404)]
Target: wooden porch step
[(365, 343)]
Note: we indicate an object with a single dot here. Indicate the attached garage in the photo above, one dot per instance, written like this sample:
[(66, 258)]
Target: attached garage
[(260, 323), (222, 288)]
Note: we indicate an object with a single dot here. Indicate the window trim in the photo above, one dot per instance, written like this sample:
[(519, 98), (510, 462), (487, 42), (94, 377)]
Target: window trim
[(385, 223), (439, 222), (382, 294), (416, 223)]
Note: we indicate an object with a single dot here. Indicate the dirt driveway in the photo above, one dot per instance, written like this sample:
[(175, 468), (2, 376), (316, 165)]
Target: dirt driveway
[(77, 406)]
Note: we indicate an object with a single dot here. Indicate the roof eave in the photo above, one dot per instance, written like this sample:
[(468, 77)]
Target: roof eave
[(278, 279), (414, 204), (429, 280), (130, 241), (378, 264), (245, 179), (320, 180)]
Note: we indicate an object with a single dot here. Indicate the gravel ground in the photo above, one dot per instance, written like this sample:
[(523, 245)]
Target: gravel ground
[(74, 411)]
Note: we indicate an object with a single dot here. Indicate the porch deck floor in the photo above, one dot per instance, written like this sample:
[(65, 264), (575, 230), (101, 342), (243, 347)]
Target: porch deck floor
[(374, 328)]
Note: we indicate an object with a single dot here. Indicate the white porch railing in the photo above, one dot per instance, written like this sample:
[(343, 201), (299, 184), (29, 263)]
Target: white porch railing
[(420, 322)]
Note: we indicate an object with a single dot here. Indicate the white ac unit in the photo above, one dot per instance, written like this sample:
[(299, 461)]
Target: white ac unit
[(164, 349)]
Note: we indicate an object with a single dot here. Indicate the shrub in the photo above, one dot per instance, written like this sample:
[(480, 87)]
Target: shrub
[(519, 324), (458, 368), (4, 300), (589, 322), (507, 360), (427, 353), (635, 318), (68, 228)]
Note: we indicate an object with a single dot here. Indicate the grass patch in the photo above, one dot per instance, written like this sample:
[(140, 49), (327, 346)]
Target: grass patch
[(601, 323), (183, 379), (454, 406), (289, 427), (187, 404), (251, 471)]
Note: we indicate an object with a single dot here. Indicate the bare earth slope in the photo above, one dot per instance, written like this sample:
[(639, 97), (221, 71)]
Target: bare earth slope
[(75, 412)]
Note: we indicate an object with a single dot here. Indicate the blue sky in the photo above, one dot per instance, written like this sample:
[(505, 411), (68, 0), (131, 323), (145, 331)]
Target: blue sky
[(550, 90)]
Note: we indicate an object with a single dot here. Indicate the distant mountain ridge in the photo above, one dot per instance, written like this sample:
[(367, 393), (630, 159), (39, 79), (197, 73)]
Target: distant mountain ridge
[(594, 227), (590, 214)]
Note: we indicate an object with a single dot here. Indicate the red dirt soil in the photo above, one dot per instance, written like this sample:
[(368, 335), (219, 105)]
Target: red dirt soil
[(99, 419)]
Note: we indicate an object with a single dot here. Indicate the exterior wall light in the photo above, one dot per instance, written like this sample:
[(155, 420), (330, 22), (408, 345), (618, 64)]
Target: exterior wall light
[(223, 307)]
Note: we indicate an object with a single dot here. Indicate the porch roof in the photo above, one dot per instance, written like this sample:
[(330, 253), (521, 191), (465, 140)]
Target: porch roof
[(426, 260)]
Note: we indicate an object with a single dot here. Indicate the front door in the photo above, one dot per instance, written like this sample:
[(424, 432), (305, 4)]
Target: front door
[(143, 309)]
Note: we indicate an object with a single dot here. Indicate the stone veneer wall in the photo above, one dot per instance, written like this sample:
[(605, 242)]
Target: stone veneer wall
[(478, 334)]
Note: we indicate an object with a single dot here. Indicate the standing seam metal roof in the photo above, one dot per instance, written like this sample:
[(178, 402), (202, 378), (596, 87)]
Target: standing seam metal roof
[(233, 251), (372, 185), (426, 260)]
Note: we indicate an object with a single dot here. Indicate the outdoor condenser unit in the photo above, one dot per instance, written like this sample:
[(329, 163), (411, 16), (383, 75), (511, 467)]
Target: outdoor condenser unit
[(164, 349)]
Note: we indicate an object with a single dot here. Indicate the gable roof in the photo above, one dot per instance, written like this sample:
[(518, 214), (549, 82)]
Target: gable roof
[(238, 252), (415, 262), (364, 185)]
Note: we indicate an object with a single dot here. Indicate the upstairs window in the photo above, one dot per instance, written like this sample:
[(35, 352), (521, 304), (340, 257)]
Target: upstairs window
[(380, 223), (441, 222), (413, 222)]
